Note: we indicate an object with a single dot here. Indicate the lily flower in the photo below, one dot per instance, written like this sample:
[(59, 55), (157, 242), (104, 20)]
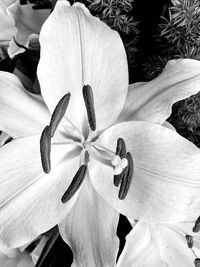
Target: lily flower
[(20, 26), (63, 166)]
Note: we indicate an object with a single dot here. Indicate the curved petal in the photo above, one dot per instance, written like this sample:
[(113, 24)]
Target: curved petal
[(157, 245), (90, 230), (14, 48), (140, 249), (22, 113), (7, 3), (7, 30), (30, 200), (21, 260), (152, 101), (173, 246), (183, 228), (166, 173), (35, 254), (78, 49), (26, 21)]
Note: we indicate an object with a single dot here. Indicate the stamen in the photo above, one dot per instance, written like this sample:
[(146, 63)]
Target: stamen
[(196, 227), (121, 148), (59, 112), (45, 149), (124, 183), (197, 262), (117, 179), (75, 184), (126, 178), (89, 104), (189, 240)]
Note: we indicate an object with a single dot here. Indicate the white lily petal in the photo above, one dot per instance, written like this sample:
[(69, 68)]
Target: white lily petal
[(7, 3), (30, 200), (35, 254), (152, 101), (90, 230), (140, 249), (15, 49), (168, 125), (183, 228), (7, 29), (19, 260), (158, 245), (22, 113), (166, 173), (26, 21), (79, 49), (173, 246)]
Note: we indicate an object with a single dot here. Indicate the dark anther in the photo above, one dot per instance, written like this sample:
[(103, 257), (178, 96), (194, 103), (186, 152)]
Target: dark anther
[(89, 103), (45, 149), (189, 240), (124, 183), (196, 227), (121, 152), (117, 179), (197, 262), (75, 184), (121, 148), (127, 175), (59, 112)]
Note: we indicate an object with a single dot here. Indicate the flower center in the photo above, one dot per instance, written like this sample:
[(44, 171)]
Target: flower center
[(120, 160)]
